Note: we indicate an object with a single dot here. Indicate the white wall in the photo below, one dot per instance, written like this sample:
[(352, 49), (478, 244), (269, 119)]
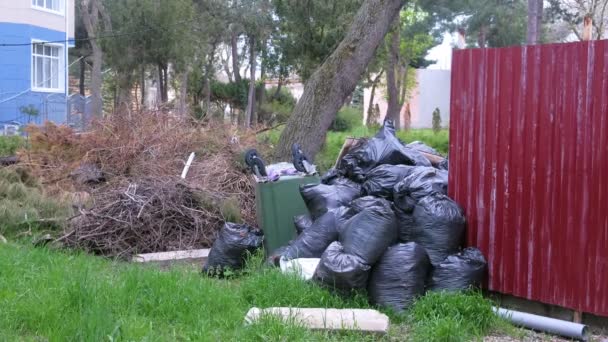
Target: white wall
[(22, 12), (432, 91)]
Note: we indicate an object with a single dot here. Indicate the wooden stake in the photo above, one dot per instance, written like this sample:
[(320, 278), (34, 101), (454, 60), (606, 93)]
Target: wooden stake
[(587, 28), (577, 317)]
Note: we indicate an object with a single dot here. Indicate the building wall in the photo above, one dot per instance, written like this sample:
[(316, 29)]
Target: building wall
[(432, 91), (20, 23), (15, 76), (22, 12)]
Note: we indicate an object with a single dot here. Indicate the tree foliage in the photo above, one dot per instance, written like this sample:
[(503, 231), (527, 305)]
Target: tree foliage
[(572, 12), (309, 30)]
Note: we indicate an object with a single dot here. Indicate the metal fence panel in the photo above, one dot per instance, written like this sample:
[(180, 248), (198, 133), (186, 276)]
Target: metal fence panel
[(529, 164)]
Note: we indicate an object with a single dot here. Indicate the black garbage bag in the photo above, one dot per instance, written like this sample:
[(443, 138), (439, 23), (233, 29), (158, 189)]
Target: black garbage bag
[(357, 205), (459, 271), (443, 165), (384, 148), (331, 176), (342, 214), (382, 180), (231, 246), (341, 270), (405, 223), (370, 232), (439, 226), (421, 182), (422, 147), (320, 198), (302, 222), (399, 277), (314, 240)]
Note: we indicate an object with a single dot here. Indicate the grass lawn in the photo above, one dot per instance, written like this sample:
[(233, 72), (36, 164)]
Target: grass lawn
[(61, 296), (334, 141)]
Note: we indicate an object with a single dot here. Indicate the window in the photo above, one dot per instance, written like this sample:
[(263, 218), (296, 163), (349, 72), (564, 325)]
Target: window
[(46, 72), (49, 5)]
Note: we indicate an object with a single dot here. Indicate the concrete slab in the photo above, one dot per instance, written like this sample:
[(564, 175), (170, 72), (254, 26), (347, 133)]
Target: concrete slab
[(363, 320), (193, 254)]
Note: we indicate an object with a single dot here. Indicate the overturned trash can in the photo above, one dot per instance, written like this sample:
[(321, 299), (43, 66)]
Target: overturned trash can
[(278, 200)]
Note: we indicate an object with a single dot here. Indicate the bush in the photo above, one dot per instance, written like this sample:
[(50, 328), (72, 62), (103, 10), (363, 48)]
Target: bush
[(10, 145), (284, 96), (436, 120), (278, 108), (348, 118), (438, 140), (233, 93), (275, 112)]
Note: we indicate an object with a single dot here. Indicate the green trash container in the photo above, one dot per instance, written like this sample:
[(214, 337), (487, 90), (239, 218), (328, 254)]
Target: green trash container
[(276, 205)]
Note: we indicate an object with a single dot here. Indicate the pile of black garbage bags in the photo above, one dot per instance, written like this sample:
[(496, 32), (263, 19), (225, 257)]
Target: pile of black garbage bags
[(382, 221)]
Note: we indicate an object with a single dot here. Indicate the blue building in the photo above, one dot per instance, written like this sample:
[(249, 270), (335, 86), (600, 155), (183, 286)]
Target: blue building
[(34, 39)]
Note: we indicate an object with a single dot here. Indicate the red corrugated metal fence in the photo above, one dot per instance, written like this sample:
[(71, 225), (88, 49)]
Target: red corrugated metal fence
[(529, 164)]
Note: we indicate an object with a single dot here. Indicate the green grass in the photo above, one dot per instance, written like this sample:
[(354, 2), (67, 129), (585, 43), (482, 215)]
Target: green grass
[(334, 141), (10, 145), (59, 297), (453, 317), (63, 296)]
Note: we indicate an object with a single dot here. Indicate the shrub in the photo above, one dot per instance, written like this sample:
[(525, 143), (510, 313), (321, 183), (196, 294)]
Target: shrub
[(10, 145), (278, 107), (283, 97), (234, 93), (436, 121), (348, 118), (275, 112)]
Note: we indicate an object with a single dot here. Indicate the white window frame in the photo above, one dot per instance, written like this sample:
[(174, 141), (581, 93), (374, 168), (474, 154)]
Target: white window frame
[(60, 68), (46, 9)]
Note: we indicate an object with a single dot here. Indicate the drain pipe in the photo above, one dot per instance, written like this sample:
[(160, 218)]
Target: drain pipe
[(544, 324)]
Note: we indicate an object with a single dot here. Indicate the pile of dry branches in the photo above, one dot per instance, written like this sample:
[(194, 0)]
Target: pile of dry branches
[(144, 206), (148, 215)]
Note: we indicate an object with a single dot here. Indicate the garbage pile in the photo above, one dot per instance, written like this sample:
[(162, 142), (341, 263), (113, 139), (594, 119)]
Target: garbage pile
[(382, 221), (129, 166)]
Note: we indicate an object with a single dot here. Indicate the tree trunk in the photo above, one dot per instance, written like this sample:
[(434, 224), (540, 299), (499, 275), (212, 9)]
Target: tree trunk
[(251, 98), (408, 115), (91, 10), (404, 83), (226, 66), (143, 85), (393, 111), (207, 84), (160, 82), (481, 38), (183, 93), (535, 16), (165, 94), (370, 108), (123, 95), (278, 91), (336, 78), (81, 80), (260, 99), (235, 57)]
